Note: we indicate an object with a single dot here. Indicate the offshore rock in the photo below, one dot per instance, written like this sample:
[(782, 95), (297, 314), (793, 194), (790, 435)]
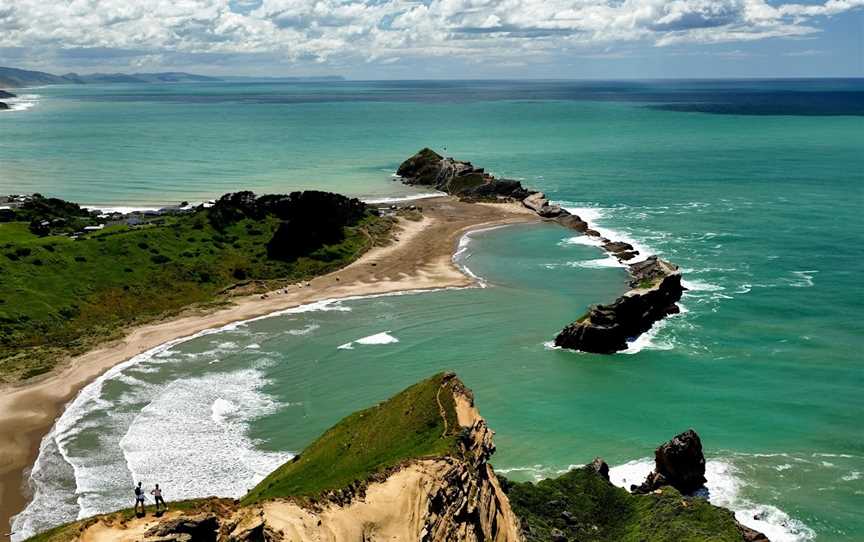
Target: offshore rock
[(605, 329), (679, 463), (4, 94), (457, 178), (3, 106)]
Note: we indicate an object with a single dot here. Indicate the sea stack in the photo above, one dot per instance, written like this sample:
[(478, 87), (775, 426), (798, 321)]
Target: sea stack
[(458, 178), (679, 463), (605, 329)]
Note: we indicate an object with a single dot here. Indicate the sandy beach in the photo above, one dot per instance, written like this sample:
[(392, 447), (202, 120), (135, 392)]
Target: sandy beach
[(420, 258)]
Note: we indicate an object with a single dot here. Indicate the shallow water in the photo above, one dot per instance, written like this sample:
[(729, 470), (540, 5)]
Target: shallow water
[(763, 213)]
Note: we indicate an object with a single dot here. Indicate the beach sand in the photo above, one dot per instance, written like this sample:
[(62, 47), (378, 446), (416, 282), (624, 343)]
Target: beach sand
[(420, 258)]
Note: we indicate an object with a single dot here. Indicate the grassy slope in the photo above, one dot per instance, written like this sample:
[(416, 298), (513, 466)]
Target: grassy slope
[(601, 512), (406, 426), (59, 296)]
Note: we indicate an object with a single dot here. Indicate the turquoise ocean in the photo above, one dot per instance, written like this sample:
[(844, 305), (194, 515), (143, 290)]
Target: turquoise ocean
[(755, 188)]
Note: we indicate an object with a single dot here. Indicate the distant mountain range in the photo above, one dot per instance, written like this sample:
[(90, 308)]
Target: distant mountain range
[(13, 77)]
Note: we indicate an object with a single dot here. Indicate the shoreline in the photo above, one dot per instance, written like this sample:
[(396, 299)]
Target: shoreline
[(420, 258)]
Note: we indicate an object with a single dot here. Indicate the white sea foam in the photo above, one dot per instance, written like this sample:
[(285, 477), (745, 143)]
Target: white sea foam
[(852, 476), (725, 489), (701, 286), (593, 216), (412, 197), (379, 338), (22, 102), (191, 438), (599, 263), (306, 330), (648, 340), (803, 279)]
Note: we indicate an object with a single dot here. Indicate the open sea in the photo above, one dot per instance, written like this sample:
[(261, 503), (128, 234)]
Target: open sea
[(755, 188)]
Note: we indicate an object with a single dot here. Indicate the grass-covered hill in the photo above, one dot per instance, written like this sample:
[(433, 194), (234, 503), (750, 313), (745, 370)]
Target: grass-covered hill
[(418, 422), (60, 295)]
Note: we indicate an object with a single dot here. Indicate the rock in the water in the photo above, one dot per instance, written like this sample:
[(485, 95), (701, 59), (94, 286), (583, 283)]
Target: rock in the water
[(679, 463), (572, 221), (605, 329), (617, 246), (457, 178), (3, 106), (4, 94)]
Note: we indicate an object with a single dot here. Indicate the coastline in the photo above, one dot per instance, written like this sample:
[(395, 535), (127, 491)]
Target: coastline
[(420, 258)]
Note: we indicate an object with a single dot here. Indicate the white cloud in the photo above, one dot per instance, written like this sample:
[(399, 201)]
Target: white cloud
[(389, 30)]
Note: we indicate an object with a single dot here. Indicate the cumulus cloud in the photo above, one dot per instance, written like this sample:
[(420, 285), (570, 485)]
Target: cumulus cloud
[(389, 30)]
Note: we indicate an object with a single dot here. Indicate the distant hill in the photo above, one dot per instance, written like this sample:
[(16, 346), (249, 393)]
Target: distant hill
[(13, 77)]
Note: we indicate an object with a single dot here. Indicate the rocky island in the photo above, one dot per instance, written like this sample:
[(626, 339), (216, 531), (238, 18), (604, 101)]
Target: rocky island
[(655, 283), (3, 95), (416, 467)]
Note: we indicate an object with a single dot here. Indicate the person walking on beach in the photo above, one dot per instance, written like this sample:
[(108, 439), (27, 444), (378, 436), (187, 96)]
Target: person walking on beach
[(139, 498), (157, 496)]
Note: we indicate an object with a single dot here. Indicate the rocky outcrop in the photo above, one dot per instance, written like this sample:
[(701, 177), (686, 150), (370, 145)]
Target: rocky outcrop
[(4, 94), (605, 329), (679, 463), (196, 528), (458, 178), (3, 106), (538, 203)]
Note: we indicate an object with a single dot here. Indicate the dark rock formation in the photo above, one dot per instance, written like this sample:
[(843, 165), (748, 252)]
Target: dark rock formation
[(605, 329), (679, 463), (600, 467), (4, 94), (3, 106), (573, 222), (751, 535), (457, 178)]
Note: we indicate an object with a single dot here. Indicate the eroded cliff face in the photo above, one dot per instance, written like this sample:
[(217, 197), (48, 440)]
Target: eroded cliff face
[(453, 498)]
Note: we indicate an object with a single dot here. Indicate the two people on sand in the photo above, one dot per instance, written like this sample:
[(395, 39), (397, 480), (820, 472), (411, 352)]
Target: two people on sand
[(157, 496)]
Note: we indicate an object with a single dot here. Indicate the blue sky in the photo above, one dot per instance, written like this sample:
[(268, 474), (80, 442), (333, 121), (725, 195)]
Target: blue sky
[(384, 39)]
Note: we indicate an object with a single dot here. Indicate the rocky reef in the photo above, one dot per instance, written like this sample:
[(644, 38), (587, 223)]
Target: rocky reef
[(4, 94), (3, 106), (604, 329)]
